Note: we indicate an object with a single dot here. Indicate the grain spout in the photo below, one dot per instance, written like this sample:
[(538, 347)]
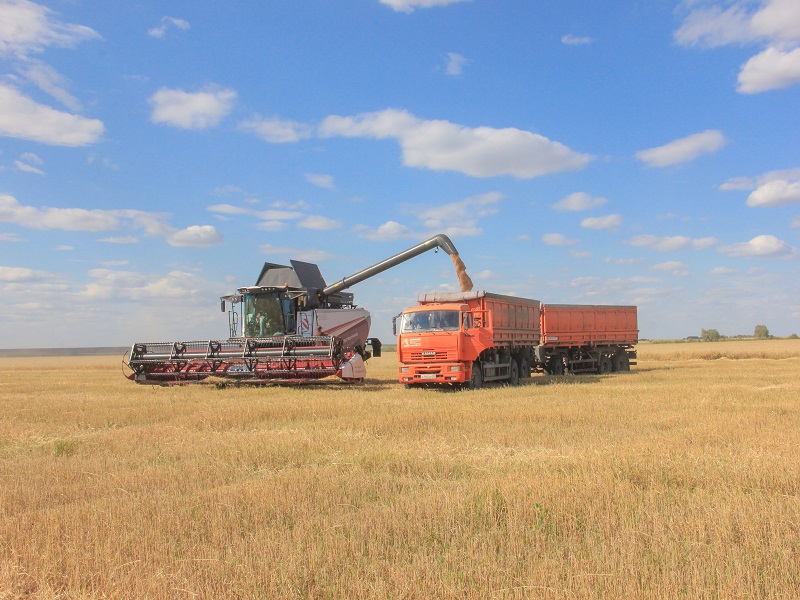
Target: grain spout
[(461, 271)]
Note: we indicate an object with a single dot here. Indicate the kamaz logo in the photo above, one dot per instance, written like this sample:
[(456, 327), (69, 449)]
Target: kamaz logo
[(429, 353)]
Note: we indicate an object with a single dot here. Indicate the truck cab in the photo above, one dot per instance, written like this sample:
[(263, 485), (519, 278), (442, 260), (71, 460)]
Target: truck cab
[(438, 343)]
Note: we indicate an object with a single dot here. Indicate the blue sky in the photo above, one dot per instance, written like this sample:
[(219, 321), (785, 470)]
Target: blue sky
[(153, 155)]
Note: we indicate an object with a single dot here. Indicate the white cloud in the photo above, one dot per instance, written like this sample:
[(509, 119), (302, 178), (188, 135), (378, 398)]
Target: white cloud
[(319, 223), (772, 69), (574, 40), (47, 79), (22, 275), (22, 118), (773, 23), (775, 193), (192, 110), (96, 220), (751, 183), (275, 130), (722, 271), (683, 149), (607, 222), (166, 23), (579, 201), (761, 246), (557, 239), (9, 237), (128, 239), (462, 217), (27, 165), (388, 232), (454, 64), (669, 243), (195, 236), (796, 222), (108, 284), (27, 28), (445, 146), (266, 215), (408, 6), (674, 267), (321, 180), (306, 254)]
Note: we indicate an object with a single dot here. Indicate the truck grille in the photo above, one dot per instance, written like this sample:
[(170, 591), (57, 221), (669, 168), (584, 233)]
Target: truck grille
[(420, 355)]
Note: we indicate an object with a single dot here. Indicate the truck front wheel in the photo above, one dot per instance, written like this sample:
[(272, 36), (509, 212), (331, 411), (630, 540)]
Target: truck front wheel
[(476, 381)]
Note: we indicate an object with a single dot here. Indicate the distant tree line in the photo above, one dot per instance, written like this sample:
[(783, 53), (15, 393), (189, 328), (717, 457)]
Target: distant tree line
[(761, 333)]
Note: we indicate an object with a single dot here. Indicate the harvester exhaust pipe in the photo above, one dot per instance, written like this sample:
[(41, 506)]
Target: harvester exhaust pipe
[(437, 241)]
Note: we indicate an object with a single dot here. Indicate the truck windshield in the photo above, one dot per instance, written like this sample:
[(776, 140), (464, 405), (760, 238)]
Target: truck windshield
[(263, 315), (435, 320)]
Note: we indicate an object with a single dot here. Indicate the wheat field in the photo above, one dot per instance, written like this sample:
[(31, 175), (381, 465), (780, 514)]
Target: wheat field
[(679, 479)]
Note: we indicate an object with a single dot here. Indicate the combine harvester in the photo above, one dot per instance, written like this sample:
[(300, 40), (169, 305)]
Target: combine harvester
[(289, 327)]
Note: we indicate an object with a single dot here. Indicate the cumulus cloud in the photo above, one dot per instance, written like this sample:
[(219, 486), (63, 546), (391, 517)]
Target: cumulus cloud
[(775, 193), (454, 64), (771, 23), (28, 28), (98, 220), (607, 222), (23, 275), (557, 239), (683, 149), (444, 146), (195, 236), (408, 6), (579, 201), (191, 110), (675, 267), (668, 243), (321, 180), (462, 217), (275, 130), (272, 214), (387, 232), (22, 118), (167, 23), (761, 246), (108, 284)]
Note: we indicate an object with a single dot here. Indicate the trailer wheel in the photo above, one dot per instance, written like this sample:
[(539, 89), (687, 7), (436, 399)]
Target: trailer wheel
[(524, 369), (513, 373), (555, 366), (476, 381), (604, 365), (621, 362)]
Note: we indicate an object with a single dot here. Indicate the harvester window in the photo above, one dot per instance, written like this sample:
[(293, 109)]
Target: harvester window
[(263, 315)]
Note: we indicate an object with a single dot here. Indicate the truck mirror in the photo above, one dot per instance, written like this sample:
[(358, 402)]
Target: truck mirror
[(222, 304), (394, 325)]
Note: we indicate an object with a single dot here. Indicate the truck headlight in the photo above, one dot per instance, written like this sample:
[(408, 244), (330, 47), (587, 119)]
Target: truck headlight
[(455, 367), (404, 369)]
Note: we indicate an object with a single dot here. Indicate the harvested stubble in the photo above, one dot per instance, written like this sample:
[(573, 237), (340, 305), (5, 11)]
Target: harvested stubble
[(677, 479)]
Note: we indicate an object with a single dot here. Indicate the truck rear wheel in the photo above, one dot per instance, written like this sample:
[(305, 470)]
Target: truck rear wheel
[(524, 368)]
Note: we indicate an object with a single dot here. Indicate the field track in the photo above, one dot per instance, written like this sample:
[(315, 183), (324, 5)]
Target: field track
[(679, 479)]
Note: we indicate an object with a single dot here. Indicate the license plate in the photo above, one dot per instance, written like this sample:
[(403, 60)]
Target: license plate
[(428, 376)]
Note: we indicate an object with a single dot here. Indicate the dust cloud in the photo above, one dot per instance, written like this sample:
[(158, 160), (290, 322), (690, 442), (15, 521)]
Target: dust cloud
[(461, 270)]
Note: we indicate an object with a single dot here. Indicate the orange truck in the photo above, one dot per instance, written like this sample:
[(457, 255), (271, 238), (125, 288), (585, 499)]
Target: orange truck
[(468, 338)]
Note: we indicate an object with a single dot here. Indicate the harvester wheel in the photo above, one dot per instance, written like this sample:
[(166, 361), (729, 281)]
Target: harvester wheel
[(513, 373)]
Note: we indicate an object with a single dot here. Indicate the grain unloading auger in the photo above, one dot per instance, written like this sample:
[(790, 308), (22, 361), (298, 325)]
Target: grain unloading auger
[(289, 327)]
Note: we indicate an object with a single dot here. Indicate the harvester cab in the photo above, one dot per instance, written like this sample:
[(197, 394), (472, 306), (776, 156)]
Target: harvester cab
[(289, 327)]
